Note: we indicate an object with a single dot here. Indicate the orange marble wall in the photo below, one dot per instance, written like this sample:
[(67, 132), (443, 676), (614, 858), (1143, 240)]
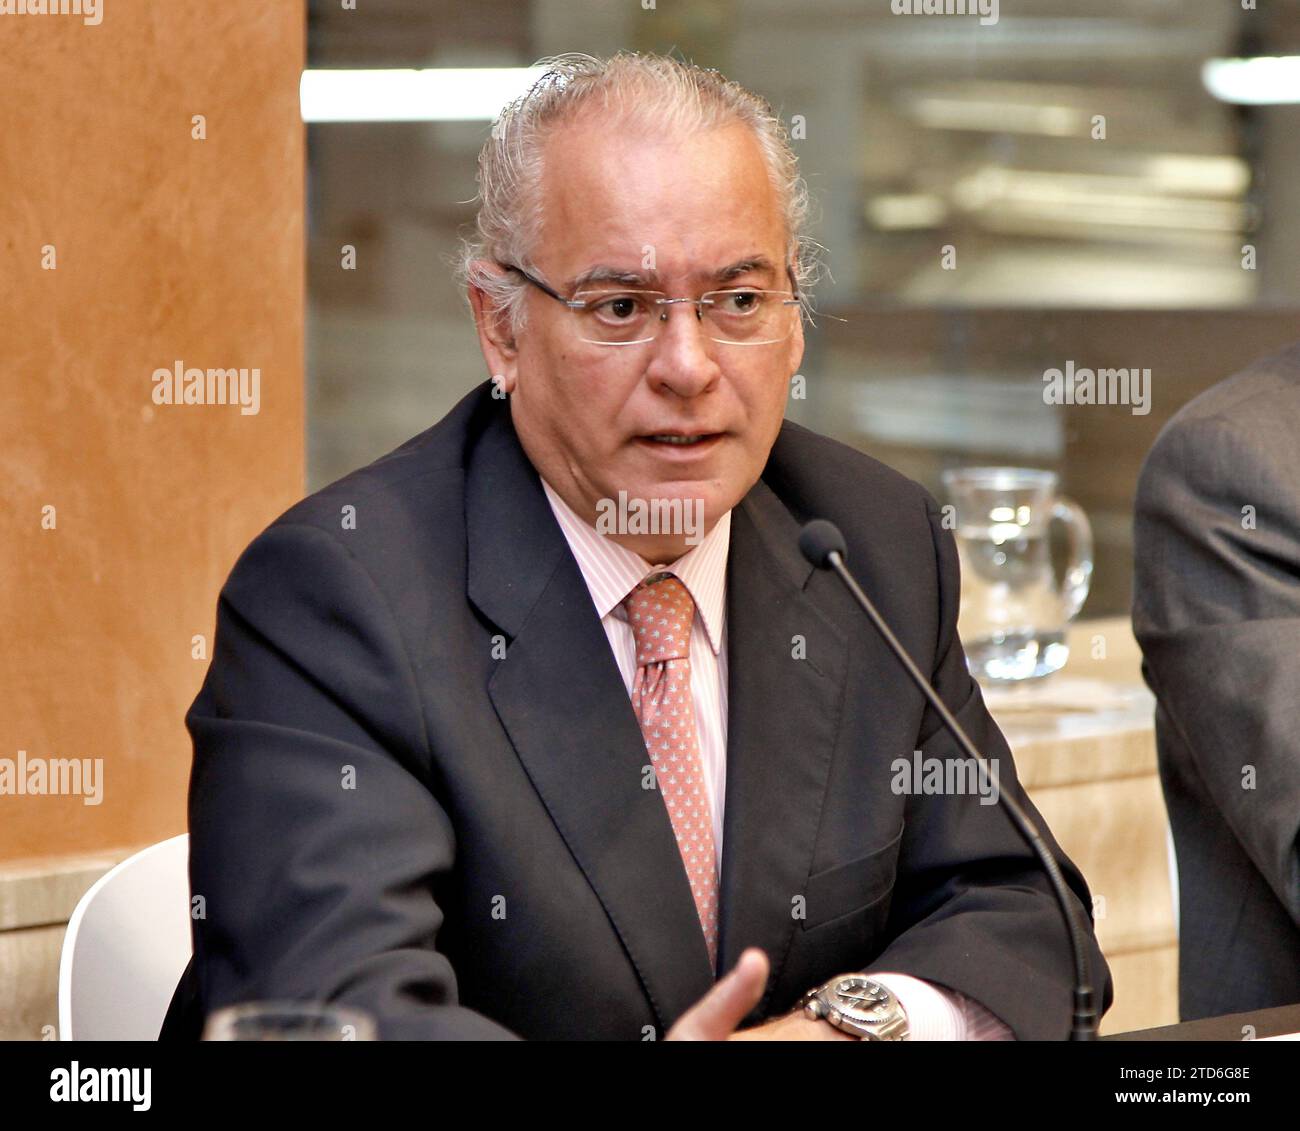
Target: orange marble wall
[(128, 244)]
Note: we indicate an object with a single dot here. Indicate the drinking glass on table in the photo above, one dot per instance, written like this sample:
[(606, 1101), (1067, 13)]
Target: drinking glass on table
[(289, 1021)]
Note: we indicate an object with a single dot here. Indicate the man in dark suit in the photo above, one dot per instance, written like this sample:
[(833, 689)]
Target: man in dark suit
[(420, 785), (1217, 613)]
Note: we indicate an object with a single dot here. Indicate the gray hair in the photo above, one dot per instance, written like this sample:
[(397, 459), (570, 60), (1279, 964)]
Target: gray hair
[(651, 89)]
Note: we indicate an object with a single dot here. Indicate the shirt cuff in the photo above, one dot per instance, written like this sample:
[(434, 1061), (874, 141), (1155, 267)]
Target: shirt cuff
[(936, 1013)]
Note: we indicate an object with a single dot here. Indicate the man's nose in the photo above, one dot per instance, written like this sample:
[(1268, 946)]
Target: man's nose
[(684, 356)]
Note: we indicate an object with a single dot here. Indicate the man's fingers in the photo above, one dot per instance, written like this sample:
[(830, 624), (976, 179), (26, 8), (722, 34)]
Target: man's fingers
[(715, 1016)]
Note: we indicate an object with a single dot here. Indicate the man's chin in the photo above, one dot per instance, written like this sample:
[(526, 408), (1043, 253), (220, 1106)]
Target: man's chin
[(659, 507), (705, 495)]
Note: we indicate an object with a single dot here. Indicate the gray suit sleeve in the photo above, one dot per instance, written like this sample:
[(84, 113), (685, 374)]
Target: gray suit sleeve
[(1217, 613), (316, 841)]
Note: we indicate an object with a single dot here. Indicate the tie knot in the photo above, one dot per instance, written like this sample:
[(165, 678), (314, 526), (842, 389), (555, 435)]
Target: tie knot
[(660, 613)]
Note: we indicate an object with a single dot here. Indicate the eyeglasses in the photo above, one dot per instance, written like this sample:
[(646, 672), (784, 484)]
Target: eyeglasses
[(743, 316)]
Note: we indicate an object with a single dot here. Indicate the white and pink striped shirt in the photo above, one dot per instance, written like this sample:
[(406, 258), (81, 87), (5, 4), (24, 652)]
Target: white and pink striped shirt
[(611, 571)]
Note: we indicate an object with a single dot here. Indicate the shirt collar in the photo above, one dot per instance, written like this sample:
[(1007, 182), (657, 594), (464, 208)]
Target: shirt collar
[(611, 571)]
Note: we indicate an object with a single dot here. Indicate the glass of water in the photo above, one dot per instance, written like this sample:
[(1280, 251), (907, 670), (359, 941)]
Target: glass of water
[(289, 1021), (1013, 610)]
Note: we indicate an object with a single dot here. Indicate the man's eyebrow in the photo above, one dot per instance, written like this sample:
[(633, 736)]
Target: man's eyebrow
[(751, 263), (604, 273)]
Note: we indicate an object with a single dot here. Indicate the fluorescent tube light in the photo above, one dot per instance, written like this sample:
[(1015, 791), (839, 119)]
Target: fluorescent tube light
[(443, 94), (1268, 80)]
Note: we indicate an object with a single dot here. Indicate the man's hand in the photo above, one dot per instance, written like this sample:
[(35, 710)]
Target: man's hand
[(793, 1027), (715, 1016)]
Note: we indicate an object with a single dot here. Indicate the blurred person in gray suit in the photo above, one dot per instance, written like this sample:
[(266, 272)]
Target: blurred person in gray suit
[(1217, 613)]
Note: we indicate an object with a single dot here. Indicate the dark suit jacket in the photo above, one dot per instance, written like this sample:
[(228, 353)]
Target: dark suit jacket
[(499, 868), (1217, 613)]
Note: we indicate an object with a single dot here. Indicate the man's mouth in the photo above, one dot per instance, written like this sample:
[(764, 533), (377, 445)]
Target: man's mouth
[(680, 439)]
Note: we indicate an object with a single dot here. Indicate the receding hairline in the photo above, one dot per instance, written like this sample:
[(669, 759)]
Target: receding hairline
[(609, 270), (640, 127)]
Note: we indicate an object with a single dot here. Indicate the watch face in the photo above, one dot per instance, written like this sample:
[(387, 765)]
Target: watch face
[(862, 1000)]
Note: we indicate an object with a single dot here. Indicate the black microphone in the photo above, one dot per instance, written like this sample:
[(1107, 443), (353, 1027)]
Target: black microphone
[(823, 545)]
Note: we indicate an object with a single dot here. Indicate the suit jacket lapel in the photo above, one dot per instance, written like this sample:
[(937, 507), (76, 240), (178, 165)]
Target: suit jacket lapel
[(561, 700), (783, 717)]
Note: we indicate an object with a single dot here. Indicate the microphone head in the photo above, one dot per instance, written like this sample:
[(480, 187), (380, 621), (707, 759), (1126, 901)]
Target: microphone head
[(819, 539)]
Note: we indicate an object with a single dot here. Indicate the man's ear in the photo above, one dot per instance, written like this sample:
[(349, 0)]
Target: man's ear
[(796, 343), (796, 337), (494, 334)]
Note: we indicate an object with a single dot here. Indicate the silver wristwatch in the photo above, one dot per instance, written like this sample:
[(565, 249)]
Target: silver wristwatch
[(857, 1005)]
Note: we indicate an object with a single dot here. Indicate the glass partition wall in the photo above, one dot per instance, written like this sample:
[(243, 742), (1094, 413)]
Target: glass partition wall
[(1078, 201)]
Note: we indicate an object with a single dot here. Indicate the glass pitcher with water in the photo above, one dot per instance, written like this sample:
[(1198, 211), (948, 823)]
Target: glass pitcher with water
[(1013, 611)]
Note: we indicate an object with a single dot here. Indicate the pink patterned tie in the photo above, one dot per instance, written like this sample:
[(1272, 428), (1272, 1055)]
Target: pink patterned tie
[(660, 610)]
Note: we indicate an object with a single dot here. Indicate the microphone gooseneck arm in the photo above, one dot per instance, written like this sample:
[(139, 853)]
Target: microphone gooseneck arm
[(823, 545)]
